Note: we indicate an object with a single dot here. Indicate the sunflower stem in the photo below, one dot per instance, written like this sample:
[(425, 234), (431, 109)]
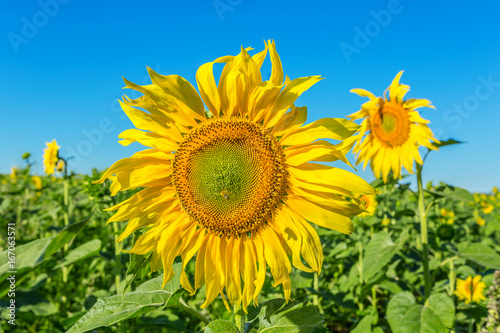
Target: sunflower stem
[(239, 317), (452, 277), (118, 250), (316, 289), (423, 234)]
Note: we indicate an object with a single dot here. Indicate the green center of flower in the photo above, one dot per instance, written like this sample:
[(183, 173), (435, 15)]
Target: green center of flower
[(223, 175), (389, 123), (229, 175)]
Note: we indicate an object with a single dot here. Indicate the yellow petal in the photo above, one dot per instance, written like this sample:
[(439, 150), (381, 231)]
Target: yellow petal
[(147, 139), (277, 69), (319, 215), (325, 128), (287, 97)]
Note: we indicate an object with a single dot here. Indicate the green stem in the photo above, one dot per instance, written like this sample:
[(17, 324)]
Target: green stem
[(66, 201), (374, 299), (118, 250), (452, 276), (360, 263), (239, 317), (316, 289), (316, 298), (423, 233)]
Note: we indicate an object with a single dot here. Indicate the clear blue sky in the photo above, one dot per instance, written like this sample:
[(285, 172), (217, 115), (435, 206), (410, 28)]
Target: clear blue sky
[(61, 68)]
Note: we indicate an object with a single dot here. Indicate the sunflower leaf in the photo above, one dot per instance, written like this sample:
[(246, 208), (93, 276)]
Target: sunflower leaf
[(221, 325), (405, 315), (448, 142), (378, 253), (276, 317), (111, 310), (65, 236), (83, 251), (479, 253)]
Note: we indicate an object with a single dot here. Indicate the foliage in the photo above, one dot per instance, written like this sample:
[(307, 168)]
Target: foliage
[(73, 278)]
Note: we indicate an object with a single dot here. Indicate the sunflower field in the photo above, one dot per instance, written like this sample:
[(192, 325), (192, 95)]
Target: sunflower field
[(237, 218)]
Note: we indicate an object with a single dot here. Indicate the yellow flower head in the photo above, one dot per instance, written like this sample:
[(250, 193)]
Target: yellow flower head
[(386, 222), (487, 208), (60, 165), (50, 157), (470, 290), (369, 203), (447, 216), (37, 181), (391, 131), (13, 173), (480, 221), (235, 184)]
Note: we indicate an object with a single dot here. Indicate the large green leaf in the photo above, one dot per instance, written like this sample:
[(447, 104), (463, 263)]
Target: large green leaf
[(276, 316), (364, 325), (378, 253), (148, 297), (111, 310), (83, 251), (406, 316), (221, 326), (65, 236), (30, 255), (27, 256), (479, 253)]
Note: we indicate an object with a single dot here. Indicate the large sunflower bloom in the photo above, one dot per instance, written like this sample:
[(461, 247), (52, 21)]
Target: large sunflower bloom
[(391, 131), (50, 157), (470, 289), (234, 184)]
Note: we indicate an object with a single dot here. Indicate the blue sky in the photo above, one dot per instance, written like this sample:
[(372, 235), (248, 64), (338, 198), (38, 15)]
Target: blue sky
[(62, 64)]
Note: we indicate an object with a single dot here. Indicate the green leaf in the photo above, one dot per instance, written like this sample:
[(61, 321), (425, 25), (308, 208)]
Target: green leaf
[(83, 251), (148, 297), (364, 326), (404, 212), (480, 254), (26, 256), (221, 326), (444, 307), (406, 316), (65, 236), (111, 310), (378, 253), (447, 143), (276, 316)]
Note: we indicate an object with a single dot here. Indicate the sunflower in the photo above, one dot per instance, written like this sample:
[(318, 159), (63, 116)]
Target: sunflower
[(50, 156), (369, 203), (13, 174), (470, 290), (235, 184), (391, 131), (37, 181), (60, 165)]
